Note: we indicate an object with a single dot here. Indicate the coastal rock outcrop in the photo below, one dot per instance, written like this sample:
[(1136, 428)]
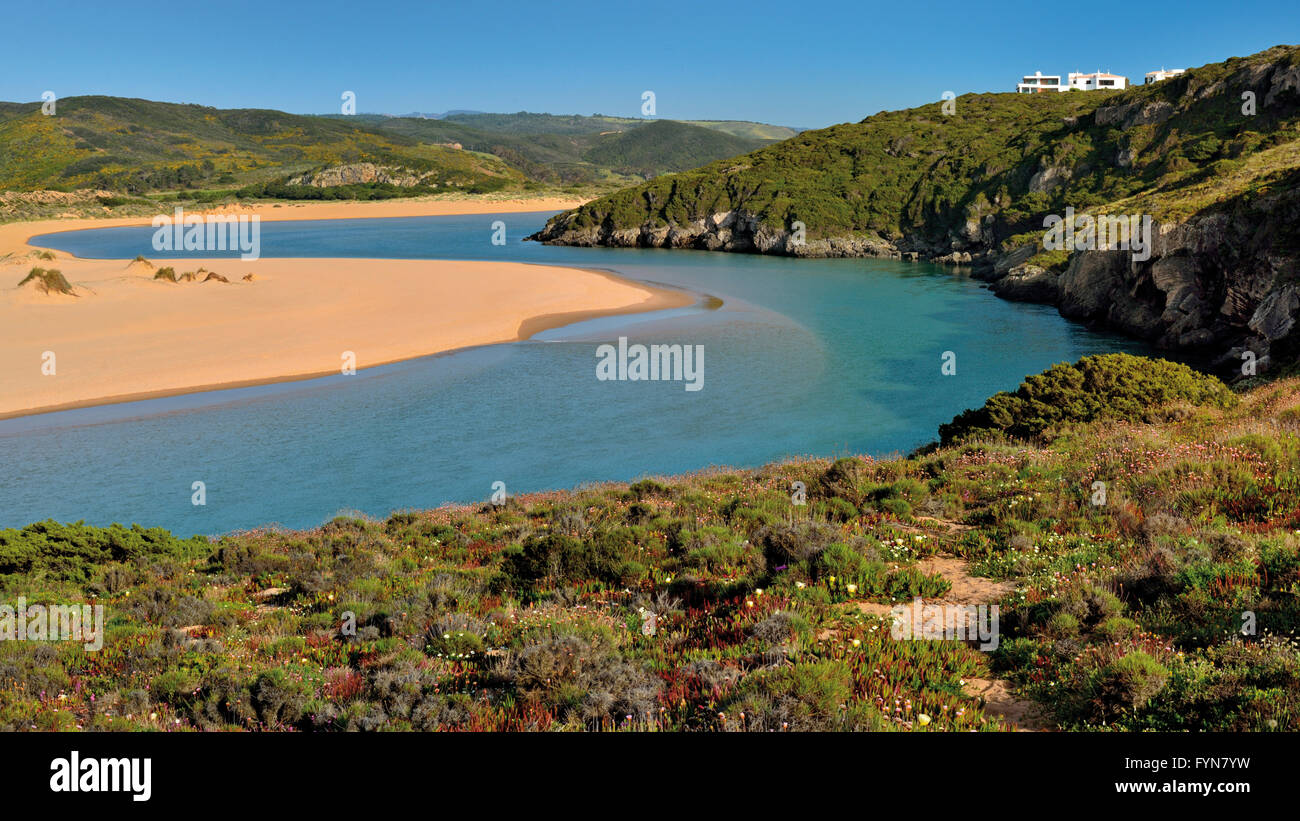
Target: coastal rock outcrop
[(359, 174), (1218, 282), (735, 231)]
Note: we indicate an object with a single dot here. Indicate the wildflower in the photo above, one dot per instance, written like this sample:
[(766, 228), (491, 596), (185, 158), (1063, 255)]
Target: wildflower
[(800, 585), (853, 588), (923, 719)]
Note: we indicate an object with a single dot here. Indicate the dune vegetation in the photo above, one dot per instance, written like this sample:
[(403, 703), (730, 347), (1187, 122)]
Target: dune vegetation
[(1147, 571), (48, 280)]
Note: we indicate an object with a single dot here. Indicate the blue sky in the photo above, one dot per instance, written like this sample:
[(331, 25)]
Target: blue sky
[(807, 64)]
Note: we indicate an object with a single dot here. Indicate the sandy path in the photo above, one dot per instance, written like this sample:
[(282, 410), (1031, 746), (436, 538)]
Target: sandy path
[(1000, 700), (126, 336)]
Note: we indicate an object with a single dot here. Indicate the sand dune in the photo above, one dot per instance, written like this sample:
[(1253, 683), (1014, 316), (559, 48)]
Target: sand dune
[(127, 335)]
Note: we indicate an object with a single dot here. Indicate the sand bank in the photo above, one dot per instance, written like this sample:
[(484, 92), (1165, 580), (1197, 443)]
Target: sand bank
[(127, 336)]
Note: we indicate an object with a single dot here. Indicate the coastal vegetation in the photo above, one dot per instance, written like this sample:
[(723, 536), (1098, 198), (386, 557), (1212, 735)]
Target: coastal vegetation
[(752, 600), (127, 151), (1111, 386), (915, 177), (49, 281), (138, 146)]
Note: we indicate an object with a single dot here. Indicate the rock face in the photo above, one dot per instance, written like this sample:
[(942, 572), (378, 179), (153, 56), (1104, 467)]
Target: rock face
[(358, 174), (1222, 283), (723, 231), (1219, 283)]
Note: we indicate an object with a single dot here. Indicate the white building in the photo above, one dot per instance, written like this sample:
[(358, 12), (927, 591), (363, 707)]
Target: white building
[(1097, 81), (1162, 74), (1039, 82)]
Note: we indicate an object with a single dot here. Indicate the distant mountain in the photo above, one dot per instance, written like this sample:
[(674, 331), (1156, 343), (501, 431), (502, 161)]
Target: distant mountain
[(581, 149), (755, 131), (422, 115), (664, 146), (524, 122)]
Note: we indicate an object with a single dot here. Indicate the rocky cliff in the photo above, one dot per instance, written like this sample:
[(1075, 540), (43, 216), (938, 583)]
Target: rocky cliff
[(1212, 156), (1222, 283)]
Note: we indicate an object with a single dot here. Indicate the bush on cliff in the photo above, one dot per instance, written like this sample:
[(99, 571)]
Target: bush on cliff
[(75, 552), (1110, 386)]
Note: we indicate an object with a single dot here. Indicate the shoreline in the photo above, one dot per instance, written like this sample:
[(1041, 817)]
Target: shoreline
[(15, 237), (529, 328), (128, 322)]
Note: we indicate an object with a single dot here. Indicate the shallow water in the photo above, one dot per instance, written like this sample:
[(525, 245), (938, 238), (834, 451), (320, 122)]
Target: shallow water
[(803, 357)]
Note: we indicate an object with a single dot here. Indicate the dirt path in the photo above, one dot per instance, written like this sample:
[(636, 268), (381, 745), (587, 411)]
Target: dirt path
[(999, 698)]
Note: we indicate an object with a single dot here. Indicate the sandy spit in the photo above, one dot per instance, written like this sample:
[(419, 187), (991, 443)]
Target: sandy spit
[(126, 336)]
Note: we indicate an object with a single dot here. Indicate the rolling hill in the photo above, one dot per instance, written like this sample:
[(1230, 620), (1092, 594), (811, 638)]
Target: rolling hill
[(579, 149), (525, 122), (663, 146), (135, 146)]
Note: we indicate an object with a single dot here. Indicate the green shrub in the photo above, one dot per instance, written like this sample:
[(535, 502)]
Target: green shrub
[(802, 698), (1109, 386), (554, 558), (1116, 628), (1132, 681), (74, 552), (278, 698)]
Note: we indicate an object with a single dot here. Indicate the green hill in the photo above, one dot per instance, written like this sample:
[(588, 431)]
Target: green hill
[(1219, 179), (914, 177), (525, 122), (749, 130), (554, 157), (578, 149), (664, 146), (138, 146), (134, 145)]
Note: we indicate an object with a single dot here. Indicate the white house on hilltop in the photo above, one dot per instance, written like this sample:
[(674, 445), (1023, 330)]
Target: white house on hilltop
[(1097, 80), (1162, 74), (1039, 82)]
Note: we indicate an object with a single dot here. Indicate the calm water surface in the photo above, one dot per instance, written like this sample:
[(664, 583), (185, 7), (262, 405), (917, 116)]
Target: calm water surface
[(803, 357)]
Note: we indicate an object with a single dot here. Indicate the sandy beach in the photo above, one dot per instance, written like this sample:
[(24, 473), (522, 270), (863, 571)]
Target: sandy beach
[(126, 336)]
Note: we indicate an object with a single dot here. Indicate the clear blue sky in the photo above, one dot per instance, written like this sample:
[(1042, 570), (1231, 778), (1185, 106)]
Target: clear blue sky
[(806, 63)]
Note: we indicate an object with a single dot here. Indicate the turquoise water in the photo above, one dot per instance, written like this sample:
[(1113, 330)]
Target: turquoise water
[(803, 357)]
